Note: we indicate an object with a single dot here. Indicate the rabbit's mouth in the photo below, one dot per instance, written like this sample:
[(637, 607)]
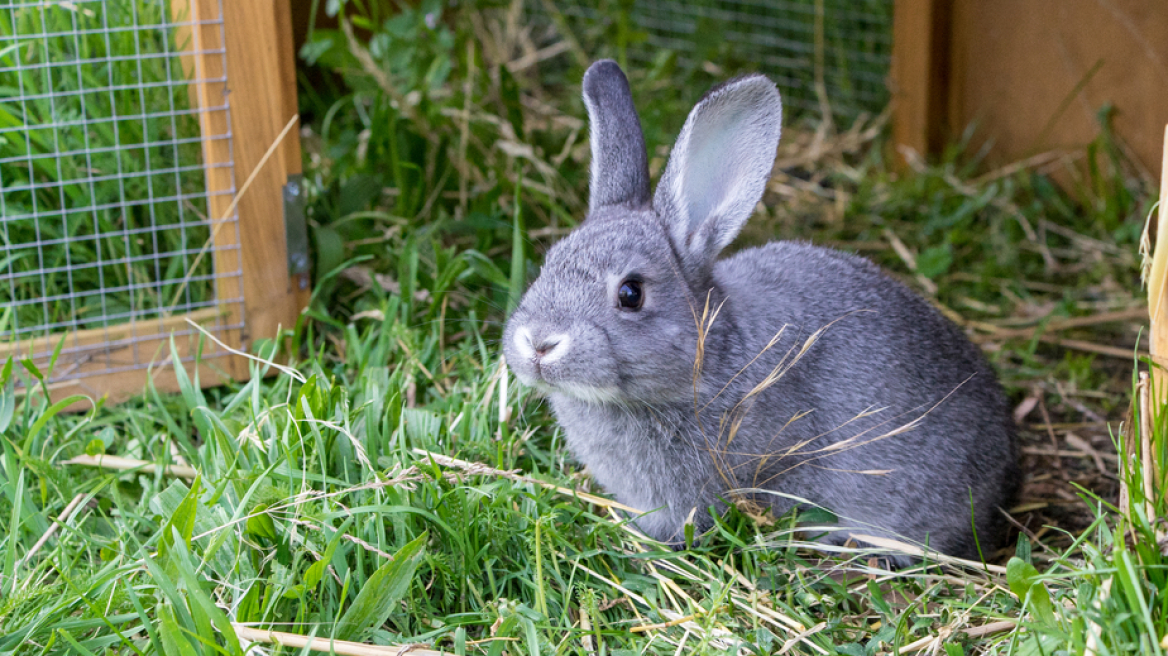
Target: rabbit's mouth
[(570, 363)]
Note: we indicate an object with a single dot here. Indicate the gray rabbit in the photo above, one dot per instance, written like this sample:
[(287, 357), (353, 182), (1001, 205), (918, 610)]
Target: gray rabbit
[(687, 382)]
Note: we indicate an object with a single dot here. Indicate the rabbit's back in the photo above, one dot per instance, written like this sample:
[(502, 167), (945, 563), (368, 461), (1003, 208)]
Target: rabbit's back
[(907, 396)]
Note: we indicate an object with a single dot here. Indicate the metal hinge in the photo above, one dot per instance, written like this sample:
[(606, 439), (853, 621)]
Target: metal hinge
[(296, 230)]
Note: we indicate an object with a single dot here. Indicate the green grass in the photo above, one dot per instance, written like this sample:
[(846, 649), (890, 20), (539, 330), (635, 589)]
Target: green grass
[(427, 226), (107, 169)]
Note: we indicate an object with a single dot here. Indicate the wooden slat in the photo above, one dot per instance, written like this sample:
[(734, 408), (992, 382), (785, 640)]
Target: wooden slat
[(290, 149), (206, 67), (1031, 76), (919, 74), (89, 353), (286, 56), (92, 339)]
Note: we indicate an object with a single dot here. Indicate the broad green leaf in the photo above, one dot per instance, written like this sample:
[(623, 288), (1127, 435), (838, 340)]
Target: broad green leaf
[(7, 403), (31, 368), (381, 593), (56, 354), (532, 637), (316, 571), (330, 249), (422, 426), (52, 412), (174, 643), (1024, 581), (191, 392), (935, 261), (260, 522), (250, 609), (295, 592), (7, 397), (1023, 550), (203, 610), (182, 521)]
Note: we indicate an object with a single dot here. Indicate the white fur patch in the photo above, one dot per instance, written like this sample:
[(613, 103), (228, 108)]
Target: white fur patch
[(588, 393), (522, 341)]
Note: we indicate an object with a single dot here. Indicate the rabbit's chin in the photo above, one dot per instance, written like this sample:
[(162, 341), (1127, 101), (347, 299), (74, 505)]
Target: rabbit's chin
[(578, 391)]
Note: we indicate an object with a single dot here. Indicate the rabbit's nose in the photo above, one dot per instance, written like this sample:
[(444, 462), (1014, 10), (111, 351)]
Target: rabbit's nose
[(552, 347), (545, 348)]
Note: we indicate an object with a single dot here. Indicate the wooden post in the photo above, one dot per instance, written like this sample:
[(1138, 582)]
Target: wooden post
[(262, 88), (1158, 290), (920, 60)]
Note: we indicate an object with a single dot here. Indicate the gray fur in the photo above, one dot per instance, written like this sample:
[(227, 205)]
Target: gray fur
[(884, 413), (620, 166)]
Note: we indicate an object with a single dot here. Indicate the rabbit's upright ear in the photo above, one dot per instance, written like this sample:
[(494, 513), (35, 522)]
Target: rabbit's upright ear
[(620, 170), (719, 166)]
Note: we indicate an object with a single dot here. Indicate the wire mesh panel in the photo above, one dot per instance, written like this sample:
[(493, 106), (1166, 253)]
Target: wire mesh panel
[(111, 169), (829, 57)]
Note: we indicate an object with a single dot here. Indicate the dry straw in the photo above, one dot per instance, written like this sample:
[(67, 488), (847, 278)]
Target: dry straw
[(1158, 276), (342, 647)]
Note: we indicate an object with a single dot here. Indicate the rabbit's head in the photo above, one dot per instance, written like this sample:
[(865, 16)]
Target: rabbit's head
[(612, 317)]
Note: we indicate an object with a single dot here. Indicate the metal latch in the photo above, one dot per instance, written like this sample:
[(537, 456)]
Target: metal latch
[(296, 230)]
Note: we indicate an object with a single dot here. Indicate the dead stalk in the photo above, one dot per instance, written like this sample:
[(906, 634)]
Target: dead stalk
[(66, 513), (117, 463), (231, 210), (477, 469), (343, 647)]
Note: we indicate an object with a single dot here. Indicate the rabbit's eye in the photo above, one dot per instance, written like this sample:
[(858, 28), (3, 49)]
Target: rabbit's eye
[(630, 296)]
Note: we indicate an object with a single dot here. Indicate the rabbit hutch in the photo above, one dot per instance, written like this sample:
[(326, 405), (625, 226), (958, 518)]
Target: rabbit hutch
[(149, 155), (149, 190)]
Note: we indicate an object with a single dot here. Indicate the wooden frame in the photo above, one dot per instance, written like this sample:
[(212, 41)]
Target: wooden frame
[(260, 87)]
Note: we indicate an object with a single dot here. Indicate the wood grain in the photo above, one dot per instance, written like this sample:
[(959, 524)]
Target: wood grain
[(1031, 75), (91, 354)]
